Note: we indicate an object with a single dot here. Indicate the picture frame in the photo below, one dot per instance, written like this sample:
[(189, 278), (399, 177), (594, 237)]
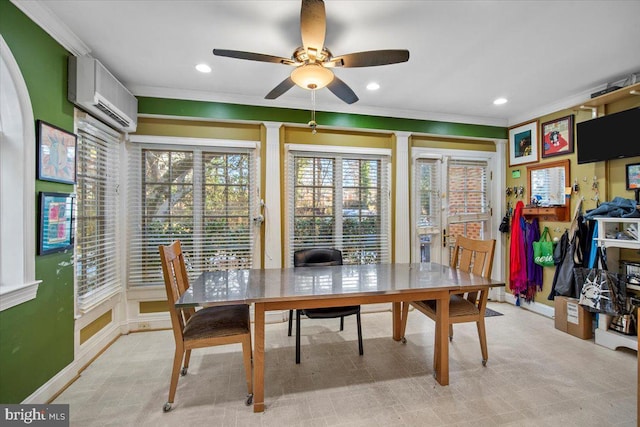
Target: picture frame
[(56, 153), (523, 144), (557, 137), (632, 178), (56, 222)]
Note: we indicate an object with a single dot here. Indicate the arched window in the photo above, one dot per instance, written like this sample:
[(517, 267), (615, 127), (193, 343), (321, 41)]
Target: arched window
[(17, 186)]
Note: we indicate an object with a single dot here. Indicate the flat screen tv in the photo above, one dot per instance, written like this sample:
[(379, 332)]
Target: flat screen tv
[(614, 136)]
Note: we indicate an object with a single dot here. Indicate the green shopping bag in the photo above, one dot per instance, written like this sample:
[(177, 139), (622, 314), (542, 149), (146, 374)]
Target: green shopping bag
[(543, 250)]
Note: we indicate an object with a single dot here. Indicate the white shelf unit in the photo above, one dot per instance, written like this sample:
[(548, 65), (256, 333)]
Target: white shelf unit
[(612, 233)]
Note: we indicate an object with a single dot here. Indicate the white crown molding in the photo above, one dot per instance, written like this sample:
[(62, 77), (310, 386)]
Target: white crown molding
[(560, 105), (48, 21)]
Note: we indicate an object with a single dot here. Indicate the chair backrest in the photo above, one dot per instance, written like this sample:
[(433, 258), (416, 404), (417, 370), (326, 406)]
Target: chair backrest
[(176, 282), (316, 257), (474, 256)]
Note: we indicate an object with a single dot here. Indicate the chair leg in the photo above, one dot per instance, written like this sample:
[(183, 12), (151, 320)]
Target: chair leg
[(403, 321), (247, 355), (482, 335), (450, 331), (360, 348), (185, 364), (290, 321), (175, 374), (342, 323), (297, 336)]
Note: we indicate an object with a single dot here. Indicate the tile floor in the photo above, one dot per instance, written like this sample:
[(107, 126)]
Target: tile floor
[(536, 376)]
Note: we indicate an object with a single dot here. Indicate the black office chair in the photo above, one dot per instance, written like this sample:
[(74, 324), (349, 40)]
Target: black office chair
[(318, 257)]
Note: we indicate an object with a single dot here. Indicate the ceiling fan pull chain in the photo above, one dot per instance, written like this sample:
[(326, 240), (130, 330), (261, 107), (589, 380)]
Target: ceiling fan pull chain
[(312, 123)]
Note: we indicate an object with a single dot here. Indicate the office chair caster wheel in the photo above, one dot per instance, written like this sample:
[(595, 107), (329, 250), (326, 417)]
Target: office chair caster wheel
[(183, 372), (403, 340), (484, 362), (249, 400), (166, 407)]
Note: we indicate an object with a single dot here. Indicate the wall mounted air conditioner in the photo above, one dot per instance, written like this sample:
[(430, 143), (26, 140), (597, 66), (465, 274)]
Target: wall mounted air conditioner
[(94, 89)]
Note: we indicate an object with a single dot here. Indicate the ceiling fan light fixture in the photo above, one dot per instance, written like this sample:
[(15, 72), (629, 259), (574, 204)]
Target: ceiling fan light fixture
[(311, 76)]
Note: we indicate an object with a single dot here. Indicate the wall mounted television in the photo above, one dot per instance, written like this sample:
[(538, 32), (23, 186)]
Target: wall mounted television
[(614, 136)]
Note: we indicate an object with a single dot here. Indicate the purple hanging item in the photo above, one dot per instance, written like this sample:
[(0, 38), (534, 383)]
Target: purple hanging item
[(534, 271)]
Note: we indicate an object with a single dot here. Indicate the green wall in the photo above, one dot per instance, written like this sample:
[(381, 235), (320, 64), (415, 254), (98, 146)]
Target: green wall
[(36, 337), (222, 111)]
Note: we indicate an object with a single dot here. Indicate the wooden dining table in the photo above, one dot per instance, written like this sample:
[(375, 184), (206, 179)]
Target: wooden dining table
[(331, 286)]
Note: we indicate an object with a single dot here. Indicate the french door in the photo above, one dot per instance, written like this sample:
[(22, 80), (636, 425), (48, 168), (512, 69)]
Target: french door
[(451, 198)]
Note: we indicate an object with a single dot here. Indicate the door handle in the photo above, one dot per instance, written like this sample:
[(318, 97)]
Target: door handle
[(444, 238)]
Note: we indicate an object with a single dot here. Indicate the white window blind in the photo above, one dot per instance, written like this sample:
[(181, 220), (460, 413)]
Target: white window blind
[(97, 257), (429, 204), (202, 196), (341, 201)]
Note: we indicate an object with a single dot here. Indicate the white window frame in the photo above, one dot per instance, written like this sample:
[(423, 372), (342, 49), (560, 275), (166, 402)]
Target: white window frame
[(495, 160), (17, 202), (356, 151), (182, 143), (110, 277)]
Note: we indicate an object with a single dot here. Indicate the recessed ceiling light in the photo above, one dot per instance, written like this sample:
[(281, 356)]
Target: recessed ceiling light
[(203, 68), (373, 86), (500, 101)]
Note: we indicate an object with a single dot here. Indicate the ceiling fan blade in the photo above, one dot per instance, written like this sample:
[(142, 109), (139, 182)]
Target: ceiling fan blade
[(239, 54), (284, 86), (342, 91), (313, 25), (372, 58)]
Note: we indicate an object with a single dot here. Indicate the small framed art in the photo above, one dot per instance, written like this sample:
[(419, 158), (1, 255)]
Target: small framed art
[(557, 137), (56, 222), (56, 154), (523, 144)]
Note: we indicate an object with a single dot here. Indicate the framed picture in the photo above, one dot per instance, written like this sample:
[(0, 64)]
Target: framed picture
[(56, 222), (56, 154), (523, 144), (557, 137), (633, 179)]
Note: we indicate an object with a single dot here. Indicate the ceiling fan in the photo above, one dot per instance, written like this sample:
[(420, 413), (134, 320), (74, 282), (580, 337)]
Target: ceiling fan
[(313, 61)]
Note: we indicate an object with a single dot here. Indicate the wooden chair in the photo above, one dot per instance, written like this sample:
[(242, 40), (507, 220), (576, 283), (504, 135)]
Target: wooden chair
[(471, 256), (317, 257), (202, 328)]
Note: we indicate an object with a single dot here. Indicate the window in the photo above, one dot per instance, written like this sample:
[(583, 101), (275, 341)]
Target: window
[(468, 202), (17, 186), (340, 201), (451, 198), (97, 230), (429, 213), (203, 196)]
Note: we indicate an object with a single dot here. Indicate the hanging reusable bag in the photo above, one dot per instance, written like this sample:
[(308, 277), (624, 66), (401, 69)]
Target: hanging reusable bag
[(602, 290), (543, 250)]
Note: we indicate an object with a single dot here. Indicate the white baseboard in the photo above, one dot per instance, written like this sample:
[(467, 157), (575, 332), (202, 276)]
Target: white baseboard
[(543, 309)]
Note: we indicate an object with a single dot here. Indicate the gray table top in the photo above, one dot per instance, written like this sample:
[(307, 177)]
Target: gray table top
[(295, 284)]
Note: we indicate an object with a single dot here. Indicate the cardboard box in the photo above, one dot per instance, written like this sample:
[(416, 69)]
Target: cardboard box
[(572, 318)]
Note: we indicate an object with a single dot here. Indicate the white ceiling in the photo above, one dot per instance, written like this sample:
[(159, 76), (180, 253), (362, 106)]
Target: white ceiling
[(541, 55)]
